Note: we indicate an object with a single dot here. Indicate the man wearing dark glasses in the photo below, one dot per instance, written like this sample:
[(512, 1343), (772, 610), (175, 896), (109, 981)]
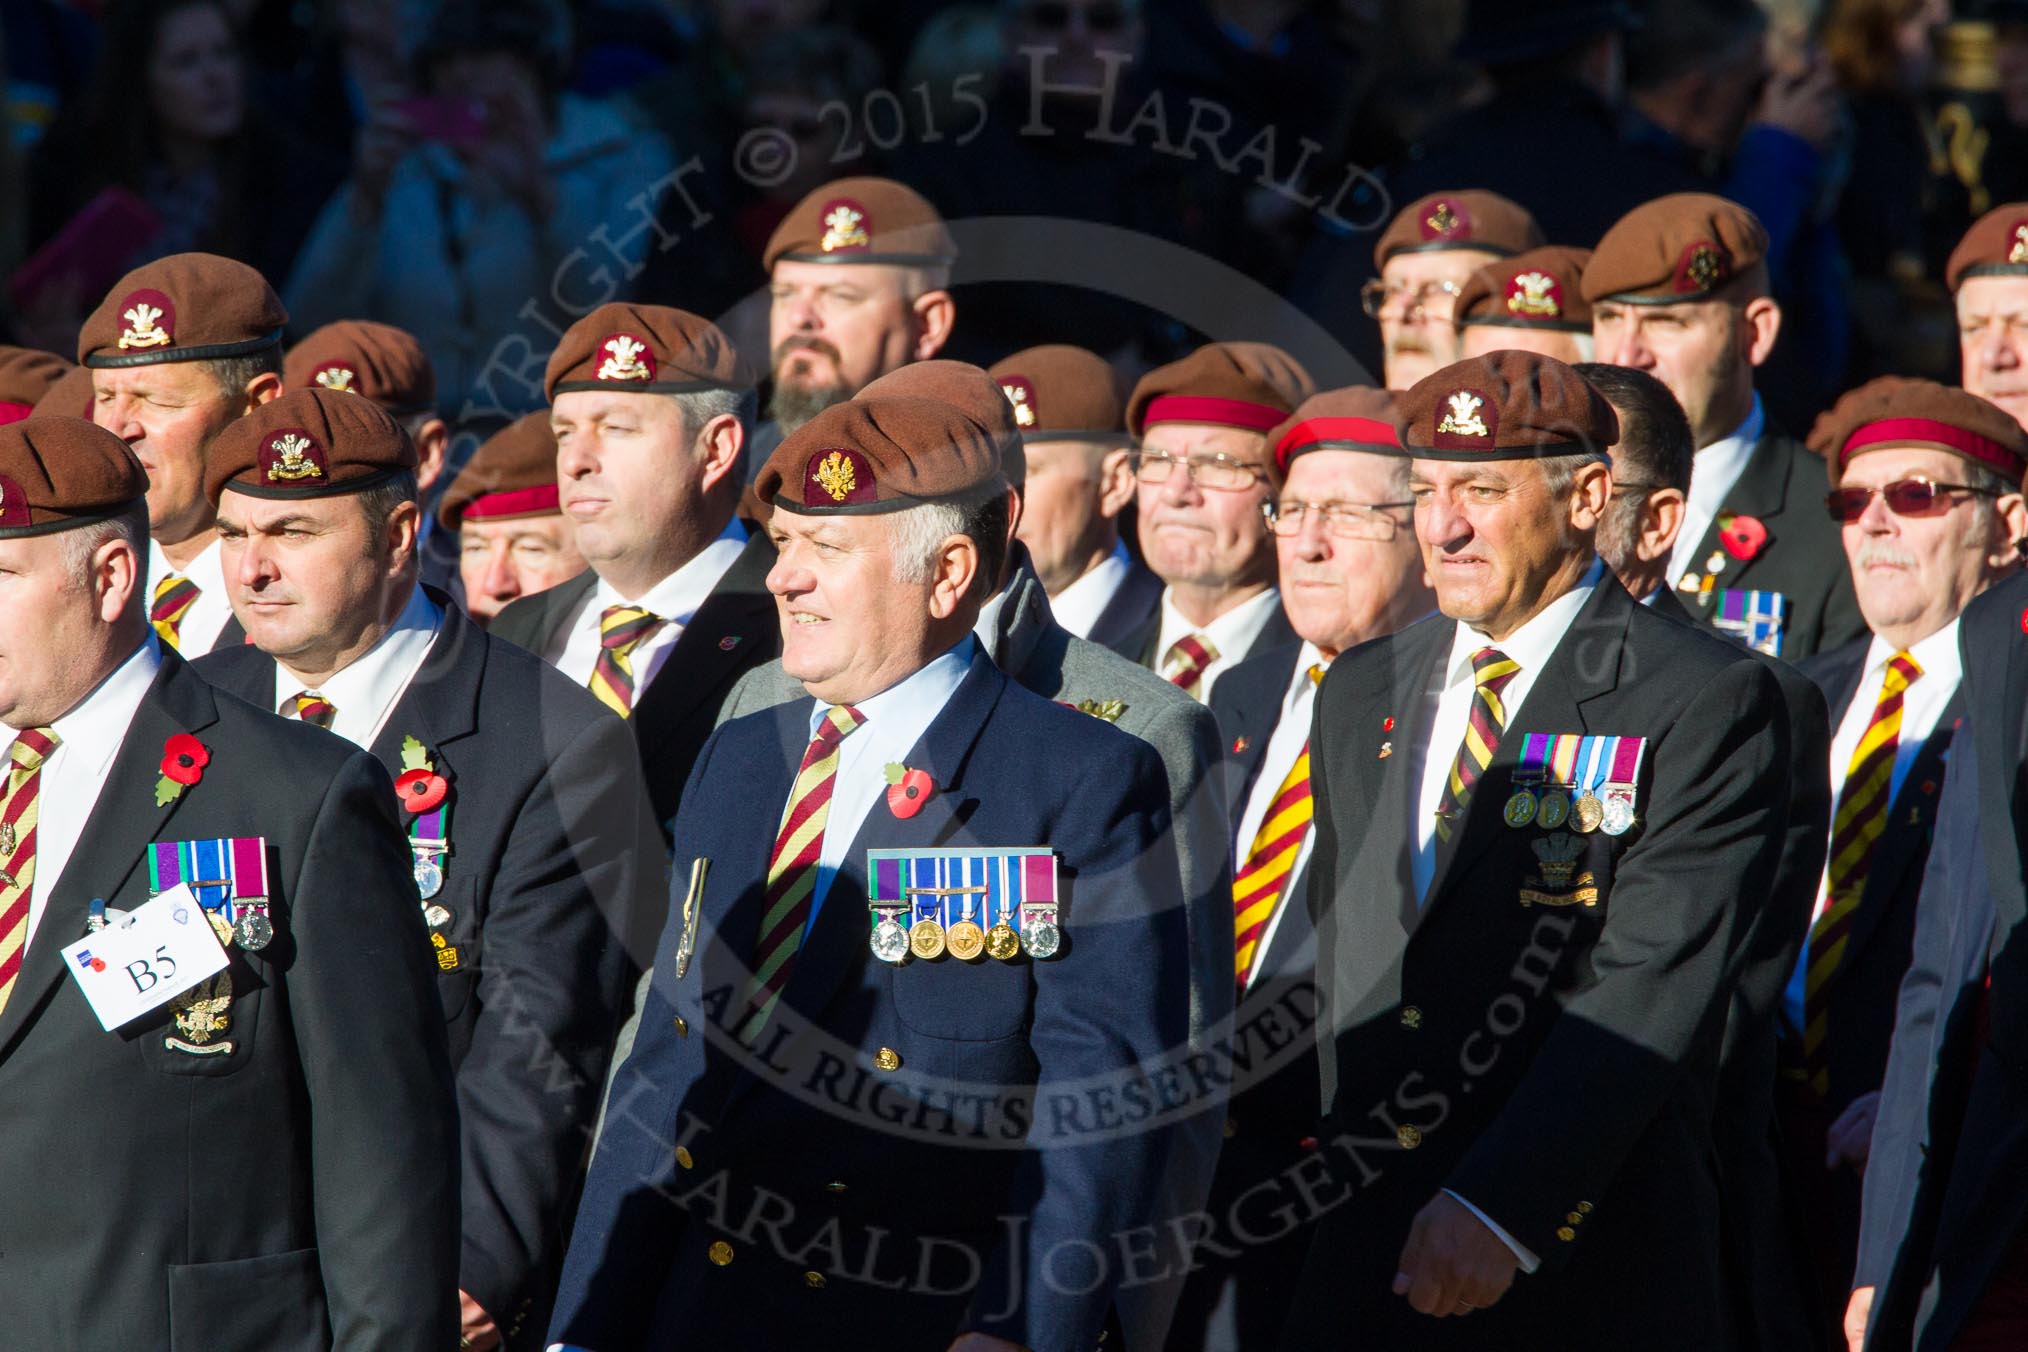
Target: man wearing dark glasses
[(1679, 288), (1929, 508)]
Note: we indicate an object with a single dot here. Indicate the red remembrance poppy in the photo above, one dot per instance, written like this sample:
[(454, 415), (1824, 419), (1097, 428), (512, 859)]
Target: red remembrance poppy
[(905, 796), (1743, 537), (420, 790), (184, 759)]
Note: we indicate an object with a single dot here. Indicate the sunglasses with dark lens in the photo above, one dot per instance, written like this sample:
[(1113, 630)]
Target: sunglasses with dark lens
[(1054, 16), (1905, 497)]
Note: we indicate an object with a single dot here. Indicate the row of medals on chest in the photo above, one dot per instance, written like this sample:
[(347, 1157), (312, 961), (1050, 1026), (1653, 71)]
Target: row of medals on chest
[(1552, 806), (965, 939)]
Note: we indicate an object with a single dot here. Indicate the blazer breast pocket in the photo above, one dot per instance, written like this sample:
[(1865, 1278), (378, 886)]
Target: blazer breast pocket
[(274, 1302), (982, 1001), (208, 1030)]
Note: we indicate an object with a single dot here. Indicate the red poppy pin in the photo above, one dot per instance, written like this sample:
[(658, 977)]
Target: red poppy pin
[(1743, 536), (907, 790), (419, 787), (183, 762)]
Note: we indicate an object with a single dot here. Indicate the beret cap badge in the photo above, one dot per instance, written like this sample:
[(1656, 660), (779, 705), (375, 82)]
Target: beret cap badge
[(336, 377), (835, 475), (2018, 251), (845, 227), (1022, 396), (1442, 222), (627, 358), (292, 457), (150, 319), (1704, 267), (1463, 420), (1534, 293)]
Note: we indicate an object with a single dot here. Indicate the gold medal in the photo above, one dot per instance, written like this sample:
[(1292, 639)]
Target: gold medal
[(967, 941), (926, 939), (221, 927), (1587, 814), (1003, 943)]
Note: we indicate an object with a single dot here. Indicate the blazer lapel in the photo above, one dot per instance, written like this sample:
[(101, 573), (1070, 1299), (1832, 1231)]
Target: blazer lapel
[(1911, 825), (122, 823), (1761, 492), (738, 613), (1395, 811), (441, 703)]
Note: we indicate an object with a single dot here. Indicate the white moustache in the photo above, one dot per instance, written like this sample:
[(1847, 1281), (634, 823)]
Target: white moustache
[(1874, 555)]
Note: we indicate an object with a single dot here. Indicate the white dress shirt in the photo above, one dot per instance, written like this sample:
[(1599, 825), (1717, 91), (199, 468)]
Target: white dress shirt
[(896, 719), (1922, 705), (1078, 606), (212, 608), (365, 692), (87, 740), (574, 647), (1291, 735), (1718, 467), (1231, 634)]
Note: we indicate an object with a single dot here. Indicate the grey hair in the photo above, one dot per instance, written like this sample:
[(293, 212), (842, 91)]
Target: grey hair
[(920, 532), (234, 374), (701, 406), (81, 542), (1559, 472)]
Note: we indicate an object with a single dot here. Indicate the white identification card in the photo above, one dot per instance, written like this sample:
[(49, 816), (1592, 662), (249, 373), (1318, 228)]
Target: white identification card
[(156, 953)]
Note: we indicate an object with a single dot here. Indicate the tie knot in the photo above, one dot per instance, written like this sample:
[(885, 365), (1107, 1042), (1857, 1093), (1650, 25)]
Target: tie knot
[(32, 747), (621, 627), (838, 722), (1316, 672), (1493, 668), (1195, 649), (1902, 671)]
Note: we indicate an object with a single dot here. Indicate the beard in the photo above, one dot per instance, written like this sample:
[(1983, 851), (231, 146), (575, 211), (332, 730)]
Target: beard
[(792, 404)]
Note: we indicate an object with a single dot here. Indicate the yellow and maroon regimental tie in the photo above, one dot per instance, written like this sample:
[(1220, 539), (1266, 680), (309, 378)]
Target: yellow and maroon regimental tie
[(1491, 671), (172, 601), (792, 870), (313, 708), (1186, 662), (1258, 886), (17, 848), (1855, 834), (621, 630)]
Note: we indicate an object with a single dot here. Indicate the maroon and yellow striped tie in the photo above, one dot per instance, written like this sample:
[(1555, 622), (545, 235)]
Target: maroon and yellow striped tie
[(621, 630), (1188, 658), (18, 815), (172, 601), (314, 709), (792, 870), (1855, 835), (1258, 886), (1491, 671)]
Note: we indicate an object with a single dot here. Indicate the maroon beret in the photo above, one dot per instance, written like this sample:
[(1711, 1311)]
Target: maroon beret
[(1248, 385), (512, 474), (1505, 406), (862, 220), (70, 397), (26, 375), (1995, 246), (1355, 418), (971, 389), (57, 472), (883, 454), (1472, 219), (312, 443), (186, 307), (1903, 411), (1063, 393), (1540, 289), (645, 349), (359, 356), (1683, 247)]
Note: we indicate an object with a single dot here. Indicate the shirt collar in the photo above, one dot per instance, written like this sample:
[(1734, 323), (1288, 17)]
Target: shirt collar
[(1937, 655), (94, 728), (1530, 646), (927, 687), (1720, 464), (1231, 633), (1301, 688), (677, 596), (206, 570), (376, 678)]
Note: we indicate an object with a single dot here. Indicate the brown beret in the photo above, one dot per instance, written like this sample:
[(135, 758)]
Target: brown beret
[(645, 349), (862, 220), (1995, 246), (1473, 219), (359, 356), (70, 397), (1063, 393), (883, 454), (1505, 406), (1682, 247), (1249, 385), (186, 307), (1903, 411), (26, 375), (57, 472), (1540, 289), (971, 389), (512, 474), (1355, 418), (312, 443)]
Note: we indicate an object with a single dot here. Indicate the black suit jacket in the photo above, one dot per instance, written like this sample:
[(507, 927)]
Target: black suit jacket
[(735, 629), (1139, 596), (1139, 642), (1554, 1065), (551, 861), (293, 1192), (1783, 486)]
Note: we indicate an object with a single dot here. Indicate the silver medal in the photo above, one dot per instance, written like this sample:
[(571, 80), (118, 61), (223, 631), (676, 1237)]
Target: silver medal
[(436, 917), (429, 875), (253, 930), (890, 942), (1041, 939), (1619, 816)]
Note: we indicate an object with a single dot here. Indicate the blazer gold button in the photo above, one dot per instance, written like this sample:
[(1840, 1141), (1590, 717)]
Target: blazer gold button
[(683, 1158), (1585, 1207), (682, 1027), (814, 1280), (1566, 1234), (834, 1187), (1409, 1137), (887, 1058), (1411, 1017), (1575, 1218), (719, 1253), (1231, 1128)]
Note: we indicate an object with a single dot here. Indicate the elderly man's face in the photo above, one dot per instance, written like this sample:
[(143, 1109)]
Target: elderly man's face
[(1494, 538), (56, 623), (1357, 577), (1914, 574), (502, 561), (1993, 341), (1206, 537), (851, 627), (1416, 333)]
